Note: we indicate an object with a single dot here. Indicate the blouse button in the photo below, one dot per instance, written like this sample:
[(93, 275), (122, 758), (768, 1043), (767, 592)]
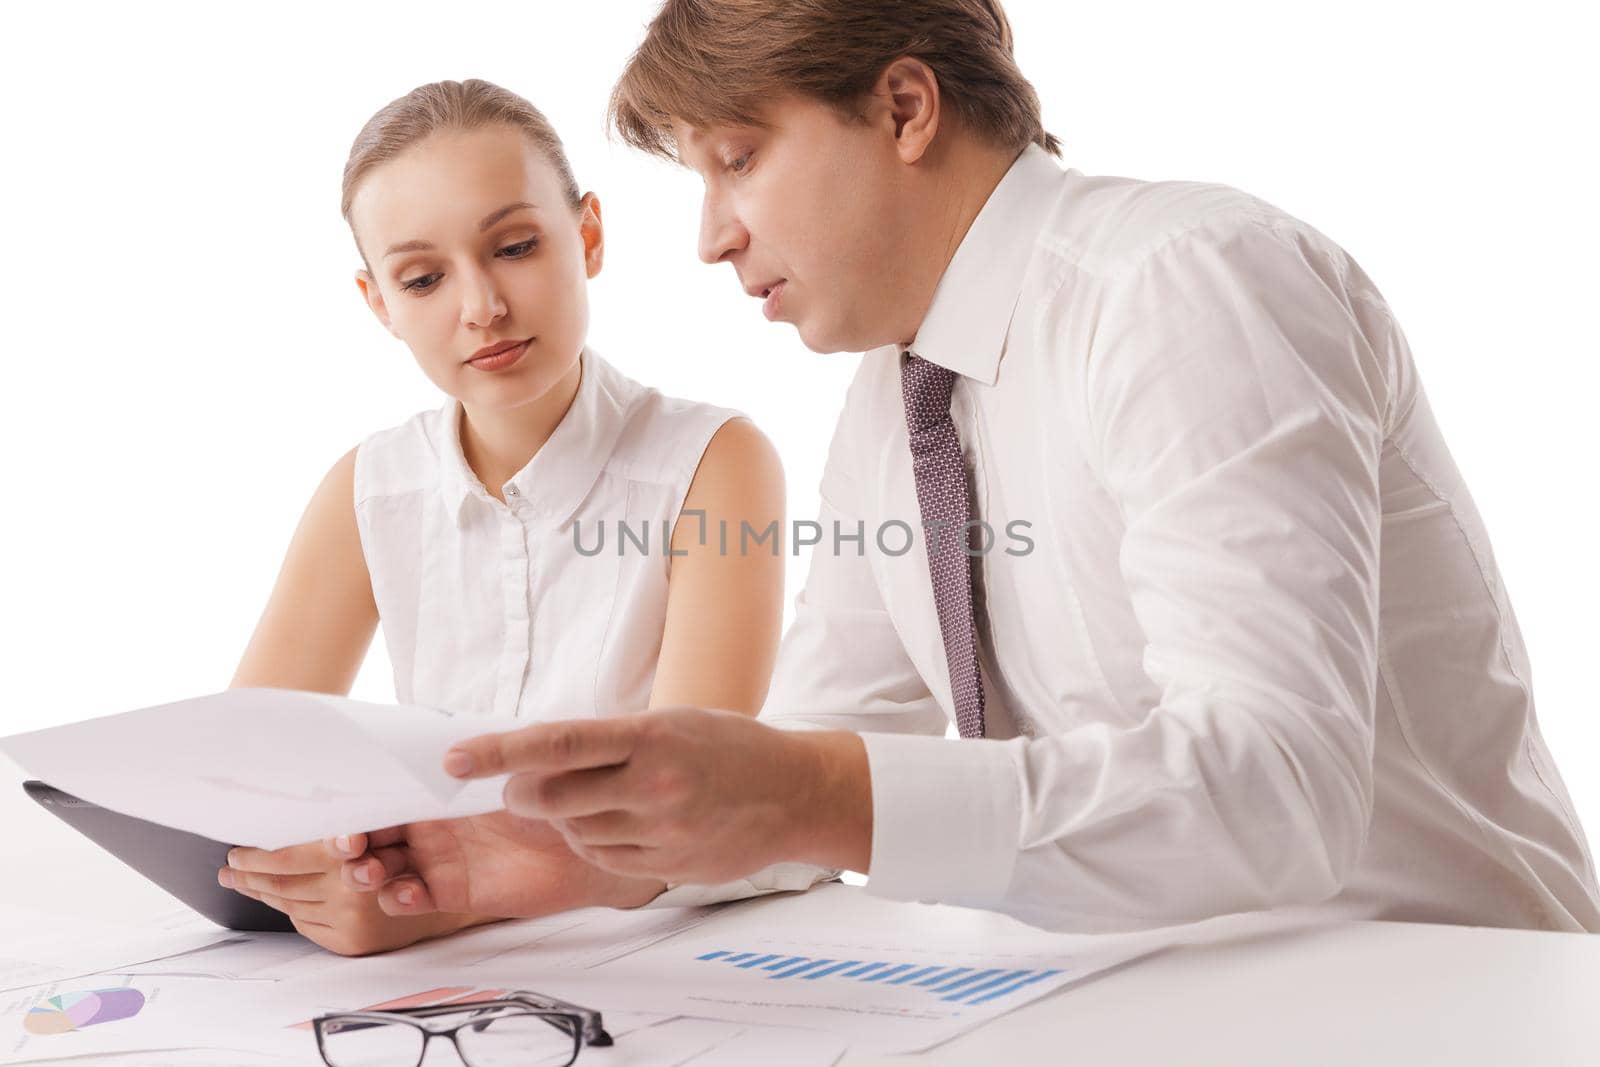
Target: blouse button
[(512, 490)]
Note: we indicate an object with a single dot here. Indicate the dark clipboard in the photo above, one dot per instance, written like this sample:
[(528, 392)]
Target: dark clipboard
[(182, 863)]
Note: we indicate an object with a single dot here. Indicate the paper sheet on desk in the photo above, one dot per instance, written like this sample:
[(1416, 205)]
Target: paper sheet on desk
[(886, 977), (37, 947), (263, 767), (107, 1013)]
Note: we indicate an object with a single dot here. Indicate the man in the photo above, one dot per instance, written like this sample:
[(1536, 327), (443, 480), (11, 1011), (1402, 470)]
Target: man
[(1212, 608)]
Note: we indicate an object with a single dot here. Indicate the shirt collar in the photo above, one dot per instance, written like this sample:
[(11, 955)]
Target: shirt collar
[(559, 476), (966, 324)]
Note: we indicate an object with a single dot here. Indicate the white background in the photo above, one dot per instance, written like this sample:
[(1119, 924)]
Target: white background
[(186, 353)]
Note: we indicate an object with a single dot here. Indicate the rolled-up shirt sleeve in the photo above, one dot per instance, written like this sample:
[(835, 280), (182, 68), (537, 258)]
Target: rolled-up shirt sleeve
[(1238, 411)]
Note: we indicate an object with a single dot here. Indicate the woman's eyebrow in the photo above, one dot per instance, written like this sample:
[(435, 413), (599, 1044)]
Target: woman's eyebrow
[(488, 220)]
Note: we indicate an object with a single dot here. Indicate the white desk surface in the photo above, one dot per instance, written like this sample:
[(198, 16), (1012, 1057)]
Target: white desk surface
[(1337, 994)]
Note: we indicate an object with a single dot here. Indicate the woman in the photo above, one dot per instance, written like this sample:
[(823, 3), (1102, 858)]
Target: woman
[(471, 531)]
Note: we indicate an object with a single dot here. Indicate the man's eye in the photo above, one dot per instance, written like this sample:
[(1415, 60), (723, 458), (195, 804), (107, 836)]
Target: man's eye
[(520, 249), (420, 285)]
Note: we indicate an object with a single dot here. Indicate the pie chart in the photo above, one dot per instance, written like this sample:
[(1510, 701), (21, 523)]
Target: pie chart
[(90, 1007)]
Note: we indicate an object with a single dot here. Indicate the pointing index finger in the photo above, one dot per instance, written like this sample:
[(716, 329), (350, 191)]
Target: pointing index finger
[(544, 748)]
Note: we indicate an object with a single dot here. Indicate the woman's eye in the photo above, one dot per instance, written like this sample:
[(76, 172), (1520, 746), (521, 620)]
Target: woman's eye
[(738, 166), (520, 249), (420, 285)]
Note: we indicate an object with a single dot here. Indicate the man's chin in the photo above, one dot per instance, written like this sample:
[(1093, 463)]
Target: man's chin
[(824, 342)]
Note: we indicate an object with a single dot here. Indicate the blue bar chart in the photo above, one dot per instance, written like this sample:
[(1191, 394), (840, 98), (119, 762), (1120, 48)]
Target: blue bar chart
[(949, 983), (899, 988)]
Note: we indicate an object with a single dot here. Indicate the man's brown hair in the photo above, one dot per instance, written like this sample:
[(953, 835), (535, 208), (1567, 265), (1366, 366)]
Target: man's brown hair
[(716, 62)]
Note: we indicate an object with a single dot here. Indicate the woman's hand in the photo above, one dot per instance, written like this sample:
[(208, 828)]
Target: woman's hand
[(303, 882), (496, 863)]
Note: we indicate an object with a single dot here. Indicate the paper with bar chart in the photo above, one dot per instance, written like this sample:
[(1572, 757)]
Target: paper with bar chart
[(880, 993)]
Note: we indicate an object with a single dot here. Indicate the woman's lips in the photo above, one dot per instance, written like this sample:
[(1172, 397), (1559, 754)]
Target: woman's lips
[(502, 359)]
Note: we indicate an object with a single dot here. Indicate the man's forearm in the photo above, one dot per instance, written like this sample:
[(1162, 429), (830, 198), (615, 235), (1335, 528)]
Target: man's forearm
[(830, 823)]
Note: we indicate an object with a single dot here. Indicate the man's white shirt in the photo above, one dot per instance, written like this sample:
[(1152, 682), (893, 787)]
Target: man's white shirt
[(1243, 639)]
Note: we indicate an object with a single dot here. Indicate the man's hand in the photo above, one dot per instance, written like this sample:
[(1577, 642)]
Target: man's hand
[(303, 882), (497, 864), (685, 795)]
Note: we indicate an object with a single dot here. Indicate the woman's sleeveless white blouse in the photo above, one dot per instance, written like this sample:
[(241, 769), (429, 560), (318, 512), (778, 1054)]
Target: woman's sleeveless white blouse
[(494, 608)]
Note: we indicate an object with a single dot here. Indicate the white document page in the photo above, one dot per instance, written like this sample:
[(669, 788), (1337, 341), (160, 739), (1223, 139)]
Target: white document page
[(263, 767)]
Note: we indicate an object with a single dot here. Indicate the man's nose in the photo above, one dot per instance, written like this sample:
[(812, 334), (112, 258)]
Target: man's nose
[(721, 232), (481, 302)]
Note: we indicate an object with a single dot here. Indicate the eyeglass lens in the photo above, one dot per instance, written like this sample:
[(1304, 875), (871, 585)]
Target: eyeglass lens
[(513, 1040)]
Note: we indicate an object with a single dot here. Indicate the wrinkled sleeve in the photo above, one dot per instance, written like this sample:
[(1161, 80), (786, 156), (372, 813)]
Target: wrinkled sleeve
[(1238, 414)]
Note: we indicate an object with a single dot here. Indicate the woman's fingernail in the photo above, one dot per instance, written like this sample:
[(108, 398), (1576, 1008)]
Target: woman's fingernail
[(232, 857), (363, 875), (342, 843), (457, 764), (406, 897), (225, 878)]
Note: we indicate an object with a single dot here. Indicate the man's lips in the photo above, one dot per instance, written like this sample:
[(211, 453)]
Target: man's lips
[(774, 294), (765, 289)]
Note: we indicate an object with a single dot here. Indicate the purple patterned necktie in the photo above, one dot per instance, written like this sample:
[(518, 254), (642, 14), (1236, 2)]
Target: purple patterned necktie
[(942, 497)]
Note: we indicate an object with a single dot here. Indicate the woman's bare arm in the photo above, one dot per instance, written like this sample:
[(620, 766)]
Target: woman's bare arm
[(725, 610), (321, 616)]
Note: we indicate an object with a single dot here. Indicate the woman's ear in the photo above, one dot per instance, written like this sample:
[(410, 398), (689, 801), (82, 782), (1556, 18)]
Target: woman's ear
[(593, 232), (374, 299)]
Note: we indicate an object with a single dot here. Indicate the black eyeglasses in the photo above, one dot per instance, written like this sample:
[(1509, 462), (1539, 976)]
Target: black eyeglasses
[(518, 1029)]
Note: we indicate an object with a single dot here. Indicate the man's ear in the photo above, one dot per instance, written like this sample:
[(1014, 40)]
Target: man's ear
[(909, 90), (373, 298), (593, 233)]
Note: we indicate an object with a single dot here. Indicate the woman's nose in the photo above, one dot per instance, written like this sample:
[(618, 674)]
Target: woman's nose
[(481, 302)]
